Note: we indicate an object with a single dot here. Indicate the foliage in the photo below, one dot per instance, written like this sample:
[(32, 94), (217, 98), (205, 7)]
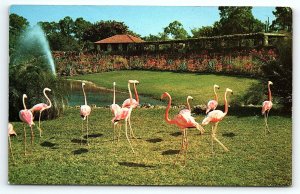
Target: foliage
[(238, 20), (104, 29), (17, 25), (283, 19), (58, 157), (204, 31), (176, 30)]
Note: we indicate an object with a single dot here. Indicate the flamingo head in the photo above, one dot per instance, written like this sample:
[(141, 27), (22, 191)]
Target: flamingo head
[(47, 89), (270, 83), (229, 90), (190, 98), (114, 83), (24, 96), (133, 81), (165, 94), (83, 84), (216, 86)]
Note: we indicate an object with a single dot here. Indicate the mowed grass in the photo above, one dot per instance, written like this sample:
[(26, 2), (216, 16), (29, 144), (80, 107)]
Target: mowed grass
[(179, 85), (254, 159)]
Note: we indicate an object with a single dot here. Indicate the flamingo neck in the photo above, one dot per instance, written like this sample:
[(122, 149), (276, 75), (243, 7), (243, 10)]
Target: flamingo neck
[(167, 111), (226, 103), (24, 105), (84, 95), (49, 101), (270, 94), (130, 94), (216, 96), (136, 94), (188, 104), (114, 100)]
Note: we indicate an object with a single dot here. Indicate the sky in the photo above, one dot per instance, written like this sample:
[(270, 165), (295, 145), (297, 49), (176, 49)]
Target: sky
[(143, 20)]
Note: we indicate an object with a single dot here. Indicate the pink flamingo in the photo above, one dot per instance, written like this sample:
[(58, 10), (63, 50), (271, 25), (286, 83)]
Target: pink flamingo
[(124, 113), (135, 103), (266, 107), (85, 111), (188, 110), (212, 104), (27, 117), (41, 107), (183, 120), (11, 132), (115, 108), (215, 117)]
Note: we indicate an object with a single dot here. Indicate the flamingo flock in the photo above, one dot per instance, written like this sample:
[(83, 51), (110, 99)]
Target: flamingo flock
[(183, 120)]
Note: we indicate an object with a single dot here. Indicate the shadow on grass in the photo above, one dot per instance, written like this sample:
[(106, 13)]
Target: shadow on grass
[(170, 152), (79, 141), (93, 135), (176, 134), (228, 134), (133, 164), (48, 144), (80, 151), (155, 140)]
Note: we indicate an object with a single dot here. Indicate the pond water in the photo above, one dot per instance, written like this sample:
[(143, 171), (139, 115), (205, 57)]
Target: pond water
[(101, 96)]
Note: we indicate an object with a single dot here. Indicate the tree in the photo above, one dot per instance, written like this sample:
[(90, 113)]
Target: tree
[(283, 21), (238, 20), (80, 26), (204, 31), (176, 31), (66, 26), (105, 29), (17, 25)]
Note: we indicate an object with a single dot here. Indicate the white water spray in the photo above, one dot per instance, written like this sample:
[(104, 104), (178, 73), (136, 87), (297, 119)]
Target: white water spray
[(37, 36)]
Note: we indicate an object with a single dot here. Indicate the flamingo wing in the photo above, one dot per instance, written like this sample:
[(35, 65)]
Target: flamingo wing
[(126, 103), (38, 107), (26, 116), (85, 111), (185, 111), (115, 108), (267, 105), (211, 105)]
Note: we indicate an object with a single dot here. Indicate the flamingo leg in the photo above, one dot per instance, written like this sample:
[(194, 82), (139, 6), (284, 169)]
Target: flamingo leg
[(81, 132), (11, 151), (39, 127), (24, 140), (32, 135), (119, 133), (186, 145), (267, 121), (131, 131), (182, 147), (214, 138), (126, 120), (87, 129), (114, 125)]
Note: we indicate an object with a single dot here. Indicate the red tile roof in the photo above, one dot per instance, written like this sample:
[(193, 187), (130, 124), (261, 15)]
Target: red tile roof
[(120, 38)]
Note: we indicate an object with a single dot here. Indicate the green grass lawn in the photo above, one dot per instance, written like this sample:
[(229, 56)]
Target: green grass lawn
[(179, 85), (254, 159)]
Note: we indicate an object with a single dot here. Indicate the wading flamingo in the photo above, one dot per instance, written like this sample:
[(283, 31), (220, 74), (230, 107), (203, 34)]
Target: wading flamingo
[(183, 121), (115, 109), (124, 113), (85, 111), (41, 107), (135, 103), (266, 107), (11, 132), (215, 117), (27, 117), (212, 104)]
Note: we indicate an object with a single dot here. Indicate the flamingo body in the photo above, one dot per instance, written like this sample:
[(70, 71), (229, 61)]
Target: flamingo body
[(39, 107), (85, 110), (213, 116), (266, 106), (126, 103), (211, 105), (26, 116), (121, 114), (11, 130)]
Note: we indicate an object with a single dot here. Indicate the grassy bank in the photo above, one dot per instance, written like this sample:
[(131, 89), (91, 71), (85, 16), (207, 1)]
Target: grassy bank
[(58, 158), (179, 85)]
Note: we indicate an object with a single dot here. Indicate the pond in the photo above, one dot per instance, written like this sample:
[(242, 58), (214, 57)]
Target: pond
[(101, 96)]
